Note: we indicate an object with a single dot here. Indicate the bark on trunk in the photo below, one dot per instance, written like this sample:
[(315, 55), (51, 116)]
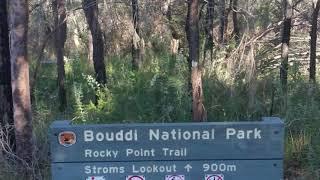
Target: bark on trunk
[(209, 29), (222, 17), (6, 106), (90, 50), (175, 41), (236, 29), (286, 31), (90, 8), (60, 39), (137, 51), (313, 42), (192, 29), (228, 10), (18, 21)]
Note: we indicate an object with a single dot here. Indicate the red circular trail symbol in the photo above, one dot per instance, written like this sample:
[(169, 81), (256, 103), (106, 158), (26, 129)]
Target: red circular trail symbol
[(215, 177), (175, 177), (136, 178)]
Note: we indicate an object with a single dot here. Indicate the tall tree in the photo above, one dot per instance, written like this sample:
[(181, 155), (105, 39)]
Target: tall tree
[(222, 19), (285, 39), (209, 28), (192, 31), (90, 50), (90, 8), (236, 29), (175, 41), (6, 106), (59, 11), (18, 22), (137, 49), (313, 41)]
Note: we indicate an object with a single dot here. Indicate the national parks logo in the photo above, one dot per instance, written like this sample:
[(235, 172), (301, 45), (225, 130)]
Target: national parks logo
[(67, 138)]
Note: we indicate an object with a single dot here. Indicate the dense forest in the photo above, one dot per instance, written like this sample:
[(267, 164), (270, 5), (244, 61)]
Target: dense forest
[(127, 61)]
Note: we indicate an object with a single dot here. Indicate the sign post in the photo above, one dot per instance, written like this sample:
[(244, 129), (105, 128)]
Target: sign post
[(175, 151)]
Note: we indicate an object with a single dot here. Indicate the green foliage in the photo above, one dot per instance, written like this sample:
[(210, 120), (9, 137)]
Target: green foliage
[(149, 95), (267, 12), (159, 92)]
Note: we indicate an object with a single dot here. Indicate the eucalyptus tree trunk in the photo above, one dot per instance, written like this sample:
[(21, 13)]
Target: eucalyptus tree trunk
[(137, 45), (175, 41), (90, 50), (90, 8), (60, 39), (18, 22), (285, 40), (222, 19), (192, 30), (236, 28), (209, 29), (313, 41), (6, 106)]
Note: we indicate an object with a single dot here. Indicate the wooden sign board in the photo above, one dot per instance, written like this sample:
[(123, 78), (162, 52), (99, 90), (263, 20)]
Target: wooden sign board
[(186, 151)]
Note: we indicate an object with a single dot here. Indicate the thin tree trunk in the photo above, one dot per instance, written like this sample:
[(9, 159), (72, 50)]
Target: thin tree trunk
[(222, 17), (209, 29), (6, 106), (90, 50), (60, 39), (226, 23), (18, 21), (90, 8), (313, 42), (192, 29), (136, 40), (175, 41), (34, 77), (236, 29), (286, 31)]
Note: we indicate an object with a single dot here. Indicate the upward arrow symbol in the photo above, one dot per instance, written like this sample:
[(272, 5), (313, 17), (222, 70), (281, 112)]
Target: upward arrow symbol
[(188, 167)]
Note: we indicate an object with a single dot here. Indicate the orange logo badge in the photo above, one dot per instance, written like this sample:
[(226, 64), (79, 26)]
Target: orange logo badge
[(67, 138)]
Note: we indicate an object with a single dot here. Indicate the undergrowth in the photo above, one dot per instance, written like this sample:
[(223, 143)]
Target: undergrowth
[(159, 93)]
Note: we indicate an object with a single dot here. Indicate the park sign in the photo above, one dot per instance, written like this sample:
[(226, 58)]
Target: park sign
[(169, 151)]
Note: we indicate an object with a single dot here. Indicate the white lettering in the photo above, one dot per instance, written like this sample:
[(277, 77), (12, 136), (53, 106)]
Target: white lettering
[(119, 135), (104, 169), (175, 152), (87, 170), (154, 134), (257, 133), (230, 132), (154, 169), (186, 135), (243, 134), (89, 153), (88, 136), (140, 152), (99, 136), (130, 135), (222, 167), (178, 134)]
